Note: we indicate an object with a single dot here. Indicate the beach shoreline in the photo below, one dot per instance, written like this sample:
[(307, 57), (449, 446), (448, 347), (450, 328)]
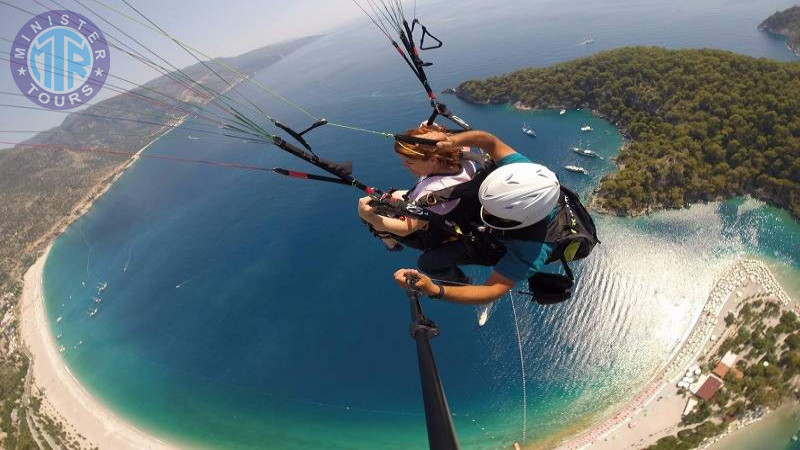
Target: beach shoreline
[(52, 380), (97, 192), (760, 429), (61, 393), (655, 411)]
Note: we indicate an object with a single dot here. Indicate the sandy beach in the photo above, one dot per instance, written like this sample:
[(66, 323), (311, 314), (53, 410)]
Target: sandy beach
[(656, 409), (64, 394)]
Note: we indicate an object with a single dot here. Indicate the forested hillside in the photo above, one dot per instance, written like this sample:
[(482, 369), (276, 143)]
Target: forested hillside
[(702, 124)]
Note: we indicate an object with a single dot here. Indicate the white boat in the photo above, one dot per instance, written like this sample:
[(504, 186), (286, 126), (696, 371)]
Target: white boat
[(193, 138), (585, 152), (585, 128), (97, 299), (102, 286), (577, 169), (483, 318), (528, 131), (93, 312), (588, 41), (59, 319), (60, 335), (485, 313), (563, 111)]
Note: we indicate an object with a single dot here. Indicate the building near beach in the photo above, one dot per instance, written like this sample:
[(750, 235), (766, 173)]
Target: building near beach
[(709, 387), (721, 370), (725, 364)]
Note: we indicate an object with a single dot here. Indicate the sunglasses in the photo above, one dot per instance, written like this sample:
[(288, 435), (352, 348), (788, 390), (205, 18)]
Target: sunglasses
[(405, 150)]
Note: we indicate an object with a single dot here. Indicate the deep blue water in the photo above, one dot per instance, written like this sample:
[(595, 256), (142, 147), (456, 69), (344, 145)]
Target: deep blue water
[(246, 310)]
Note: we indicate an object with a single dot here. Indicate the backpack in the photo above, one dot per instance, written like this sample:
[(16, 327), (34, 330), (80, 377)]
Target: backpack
[(573, 232)]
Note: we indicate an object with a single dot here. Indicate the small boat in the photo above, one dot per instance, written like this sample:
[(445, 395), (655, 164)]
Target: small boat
[(586, 152), (485, 313), (97, 299), (93, 312), (193, 138), (60, 335), (62, 349), (102, 286), (483, 318), (585, 128), (528, 131), (59, 319), (577, 169), (563, 111), (588, 41)]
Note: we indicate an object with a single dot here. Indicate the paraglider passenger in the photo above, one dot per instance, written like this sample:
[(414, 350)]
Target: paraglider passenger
[(514, 196), (436, 168)]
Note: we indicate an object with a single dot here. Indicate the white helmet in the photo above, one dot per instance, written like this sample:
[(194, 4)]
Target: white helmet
[(522, 192)]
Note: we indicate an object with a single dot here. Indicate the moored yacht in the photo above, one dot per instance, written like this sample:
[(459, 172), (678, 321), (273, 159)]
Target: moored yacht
[(577, 169), (585, 152), (528, 131)]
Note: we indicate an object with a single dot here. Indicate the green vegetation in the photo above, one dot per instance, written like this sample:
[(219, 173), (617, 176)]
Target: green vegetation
[(703, 124), (688, 437), (767, 340), (786, 23), (12, 386), (40, 187)]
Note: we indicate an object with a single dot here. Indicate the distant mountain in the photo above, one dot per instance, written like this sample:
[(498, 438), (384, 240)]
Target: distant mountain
[(785, 23)]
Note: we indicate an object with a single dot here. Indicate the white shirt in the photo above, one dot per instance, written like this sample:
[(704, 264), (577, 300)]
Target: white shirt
[(432, 183)]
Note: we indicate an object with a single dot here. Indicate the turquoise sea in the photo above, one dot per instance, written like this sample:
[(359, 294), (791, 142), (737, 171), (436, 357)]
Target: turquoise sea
[(252, 311)]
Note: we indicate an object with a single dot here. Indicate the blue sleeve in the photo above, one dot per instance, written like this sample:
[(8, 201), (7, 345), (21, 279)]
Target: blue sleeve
[(513, 158), (523, 259)]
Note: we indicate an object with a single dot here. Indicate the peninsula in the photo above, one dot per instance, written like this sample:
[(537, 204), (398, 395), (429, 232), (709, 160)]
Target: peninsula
[(785, 23), (43, 188), (702, 125)]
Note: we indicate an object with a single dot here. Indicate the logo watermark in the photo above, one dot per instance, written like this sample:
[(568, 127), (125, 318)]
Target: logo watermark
[(60, 60)]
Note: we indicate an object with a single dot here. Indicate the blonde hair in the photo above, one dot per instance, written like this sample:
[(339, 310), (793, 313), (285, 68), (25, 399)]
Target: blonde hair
[(450, 158)]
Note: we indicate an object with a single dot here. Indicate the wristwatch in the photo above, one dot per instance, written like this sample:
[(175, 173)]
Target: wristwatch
[(438, 294)]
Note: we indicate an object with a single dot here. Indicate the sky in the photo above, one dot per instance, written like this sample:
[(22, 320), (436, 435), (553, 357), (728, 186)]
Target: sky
[(218, 28)]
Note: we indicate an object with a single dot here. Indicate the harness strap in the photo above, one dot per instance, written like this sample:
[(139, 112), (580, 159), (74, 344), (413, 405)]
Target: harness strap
[(298, 136), (440, 109), (567, 269), (425, 32)]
